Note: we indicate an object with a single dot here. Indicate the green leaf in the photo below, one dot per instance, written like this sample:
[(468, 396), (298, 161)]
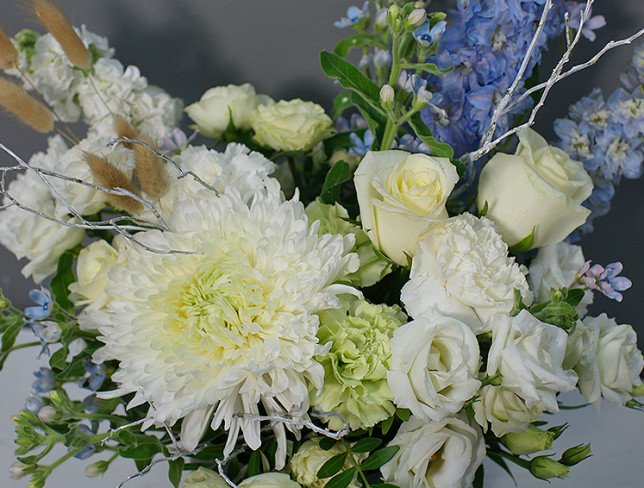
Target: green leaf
[(340, 173), (254, 464), (341, 102), (366, 444), (175, 470), (327, 443), (439, 149), (501, 462), (349, 76), (386, 425), (478, 478), (384, 485), (379, 458), (484, 210), (427, 68), (58, 360), (574, 296), (403, 414), (341, 480), (524, 244), (9, 337), (375, 118), (332, 466), (62, 279), (344, 47), (143, 448)]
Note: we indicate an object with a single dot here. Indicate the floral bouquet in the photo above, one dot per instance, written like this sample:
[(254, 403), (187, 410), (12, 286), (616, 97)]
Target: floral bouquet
[(379, 297)]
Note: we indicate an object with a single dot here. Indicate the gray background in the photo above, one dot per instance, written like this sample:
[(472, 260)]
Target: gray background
[(188, 46)]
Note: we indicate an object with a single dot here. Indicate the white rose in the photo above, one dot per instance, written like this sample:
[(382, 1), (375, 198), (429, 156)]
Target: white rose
[(504, 410), (529, 354), (462, 270), (293, 125), (204, 478), (610, 363), (443, 454), (268, 480), (434, 364), (539, 188), (400, 196), (557, 266), (308, 460), (94, 263), (213, 111)]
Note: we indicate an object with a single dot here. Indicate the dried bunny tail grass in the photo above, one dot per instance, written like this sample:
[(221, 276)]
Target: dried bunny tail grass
[(15, 100), (150, 169), (111, 177), (52, 19), (8, 53), (123, 128)]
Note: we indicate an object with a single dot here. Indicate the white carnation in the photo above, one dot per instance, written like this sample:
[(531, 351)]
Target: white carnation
[(230, 329), (443, 454), (462, 269), (434, 364), (529, 355)]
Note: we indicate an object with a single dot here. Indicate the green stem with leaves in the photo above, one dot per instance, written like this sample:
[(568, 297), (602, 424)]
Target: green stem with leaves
[(360, 472)]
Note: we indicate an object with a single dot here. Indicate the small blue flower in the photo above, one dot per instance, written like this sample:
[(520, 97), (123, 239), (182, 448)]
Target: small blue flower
[(97, 375), (91, 403), (591, 24), (354, 15), (606, 279), (90, 449), (34, 403), (412, 144), (42, 298), (427, 35), (361, 146), (175, 141), (45, 381)]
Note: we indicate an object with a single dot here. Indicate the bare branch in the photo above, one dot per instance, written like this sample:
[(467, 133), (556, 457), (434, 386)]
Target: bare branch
[(300, 422)]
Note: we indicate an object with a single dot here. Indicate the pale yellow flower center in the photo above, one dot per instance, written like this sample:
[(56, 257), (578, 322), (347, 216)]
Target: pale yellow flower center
[(420, 190)]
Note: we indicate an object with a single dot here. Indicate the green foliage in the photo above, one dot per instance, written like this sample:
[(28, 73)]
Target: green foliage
[(175, 470), (379, 458), (350, 77), (338, 174), (332, 466), (62, 279), (342, 480), (439, 149), (524, 244)]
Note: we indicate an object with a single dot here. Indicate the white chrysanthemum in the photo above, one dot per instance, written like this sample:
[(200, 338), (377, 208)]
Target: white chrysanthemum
[(462, 270), (228, 329)]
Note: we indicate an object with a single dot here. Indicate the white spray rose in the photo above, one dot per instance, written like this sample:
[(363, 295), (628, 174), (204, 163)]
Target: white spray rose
[(529, 354), (555, 267), (609, 363), (538, 188), (462, 270), (310, 457), (204, 478), (293, 125), (213, 111), (400, 196), (94, 262), (504, 410), (443, 454), (434, 364), (269, 480)]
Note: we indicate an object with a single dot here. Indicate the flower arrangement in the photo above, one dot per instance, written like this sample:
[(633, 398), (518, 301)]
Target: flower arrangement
[(379, 297)]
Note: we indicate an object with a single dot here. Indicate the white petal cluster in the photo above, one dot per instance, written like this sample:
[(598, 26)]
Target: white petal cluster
[(230, 327), (435, 454), (462, 270), (434, 364), (504, 410), (529, 355)]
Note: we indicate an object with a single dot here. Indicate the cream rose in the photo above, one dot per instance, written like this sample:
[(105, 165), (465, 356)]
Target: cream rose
[(400, 196), (94, 262), (557, 266), (213, 111), (462, 270), (504, 410), (310, 457), (268, 480), (609, 363), (434, 364), (529, 355), (443, 454), (204, 478), (293, 125), (538, 188)]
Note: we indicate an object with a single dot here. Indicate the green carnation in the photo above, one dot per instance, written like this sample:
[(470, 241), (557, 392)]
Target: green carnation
[(334, 219), (356, 365)]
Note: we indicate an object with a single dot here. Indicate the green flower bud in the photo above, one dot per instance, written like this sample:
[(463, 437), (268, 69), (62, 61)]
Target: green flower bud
[(529, 441), (387, 96), (544, 468), (575, 454), (17, 470), (393, 15), (638, 390), (47, 414), (416, 18), (3, 303), (96, 469)]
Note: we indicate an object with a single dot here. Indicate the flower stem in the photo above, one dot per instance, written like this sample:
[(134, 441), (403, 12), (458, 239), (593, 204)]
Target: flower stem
[(360, 472), (24, 346)]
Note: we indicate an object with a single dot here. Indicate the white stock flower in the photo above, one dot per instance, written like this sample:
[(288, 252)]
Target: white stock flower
[(212, 113), (434, 364), (606, 358), (462, 269), (400, 196), (557, 266), (538, 188), (529, 355), (293, 125), (443, 454), (230, 329), (310, 457), (504, 410)]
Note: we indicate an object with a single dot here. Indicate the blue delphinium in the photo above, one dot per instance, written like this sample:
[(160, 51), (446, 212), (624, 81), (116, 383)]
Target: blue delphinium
[(360, 145), (484, 44), (607, 137)]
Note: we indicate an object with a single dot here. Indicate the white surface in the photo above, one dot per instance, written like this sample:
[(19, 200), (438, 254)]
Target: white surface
[(616, 435)]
